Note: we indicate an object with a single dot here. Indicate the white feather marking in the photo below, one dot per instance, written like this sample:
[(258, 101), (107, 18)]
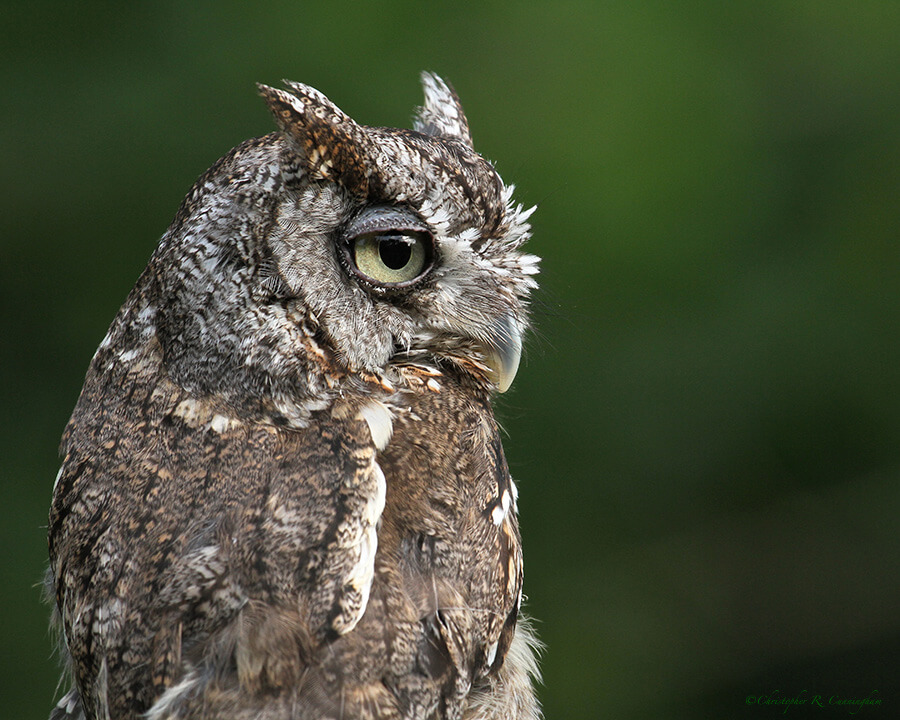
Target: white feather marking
[(528, 264), (68, 702), (221, 423), (501, 509), (492, 653), (107, 619), (376, 504), (188, 410), (469, 235), (363, 571), (523, 215), (163, 707), (380, 421)]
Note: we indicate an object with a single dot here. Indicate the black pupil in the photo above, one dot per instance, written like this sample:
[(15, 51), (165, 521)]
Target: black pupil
[(395, 253)]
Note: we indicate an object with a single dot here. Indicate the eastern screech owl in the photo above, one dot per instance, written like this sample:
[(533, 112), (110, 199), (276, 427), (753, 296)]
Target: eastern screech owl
[(283, 492)]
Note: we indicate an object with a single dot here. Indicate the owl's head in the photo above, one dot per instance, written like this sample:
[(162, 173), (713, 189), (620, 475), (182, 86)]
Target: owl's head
[(364, 245)]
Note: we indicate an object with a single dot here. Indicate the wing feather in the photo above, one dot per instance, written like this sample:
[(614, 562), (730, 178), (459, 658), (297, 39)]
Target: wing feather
[(205, 536)]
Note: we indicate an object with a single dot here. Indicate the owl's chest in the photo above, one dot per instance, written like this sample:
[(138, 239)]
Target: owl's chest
[(448, 571), (449, 535), (446, 476)]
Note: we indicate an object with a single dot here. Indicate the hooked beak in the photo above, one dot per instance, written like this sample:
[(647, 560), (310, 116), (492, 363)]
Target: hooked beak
[(503, 350)]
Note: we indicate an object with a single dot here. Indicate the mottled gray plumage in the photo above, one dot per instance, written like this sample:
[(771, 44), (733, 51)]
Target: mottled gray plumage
[(283, 492)]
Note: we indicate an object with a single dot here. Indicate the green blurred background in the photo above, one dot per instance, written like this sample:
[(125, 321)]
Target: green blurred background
[(705, 428)]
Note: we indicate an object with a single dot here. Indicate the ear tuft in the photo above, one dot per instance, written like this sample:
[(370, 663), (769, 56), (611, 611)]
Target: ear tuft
[(442, 115), (330, 145)]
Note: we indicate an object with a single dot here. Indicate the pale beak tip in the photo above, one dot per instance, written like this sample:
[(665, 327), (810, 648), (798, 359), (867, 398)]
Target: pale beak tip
[(503, 354)]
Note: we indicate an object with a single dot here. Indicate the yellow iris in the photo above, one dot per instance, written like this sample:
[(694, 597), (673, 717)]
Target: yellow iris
[(390, 258)]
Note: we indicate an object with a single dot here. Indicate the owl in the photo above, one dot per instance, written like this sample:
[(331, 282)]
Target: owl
[(283, 492)]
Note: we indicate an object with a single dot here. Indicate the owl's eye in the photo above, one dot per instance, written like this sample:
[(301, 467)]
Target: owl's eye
[(392, 257), (388, 247)]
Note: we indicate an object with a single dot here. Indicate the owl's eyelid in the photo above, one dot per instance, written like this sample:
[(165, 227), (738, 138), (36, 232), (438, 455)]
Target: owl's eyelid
[(409, 237), (375, 219)]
